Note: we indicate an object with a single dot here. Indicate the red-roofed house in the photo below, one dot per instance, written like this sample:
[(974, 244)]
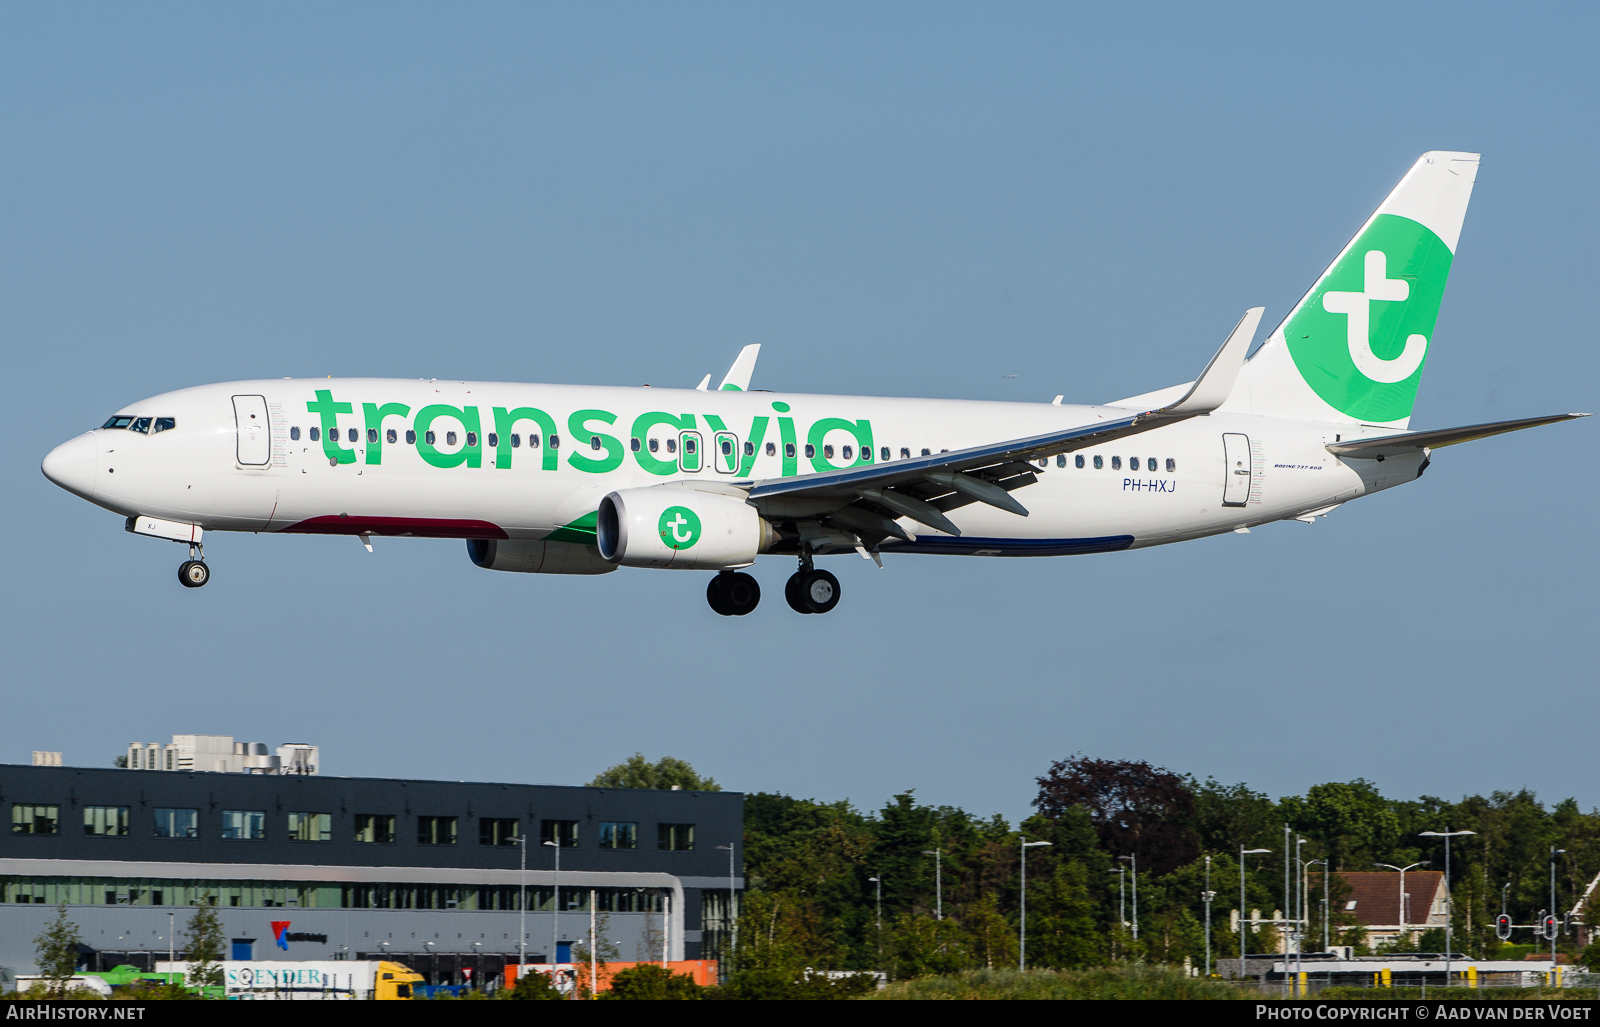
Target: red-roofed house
[(1375, 902)]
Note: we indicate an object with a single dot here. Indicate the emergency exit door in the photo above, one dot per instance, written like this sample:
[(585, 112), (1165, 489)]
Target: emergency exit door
[(254, 434), (1236, 484)]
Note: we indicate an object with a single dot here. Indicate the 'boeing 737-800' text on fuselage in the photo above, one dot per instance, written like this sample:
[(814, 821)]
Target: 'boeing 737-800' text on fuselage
[(580, 480)]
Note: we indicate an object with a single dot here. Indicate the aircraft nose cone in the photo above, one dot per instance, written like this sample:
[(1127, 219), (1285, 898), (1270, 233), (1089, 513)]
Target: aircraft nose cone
[(72, 465)]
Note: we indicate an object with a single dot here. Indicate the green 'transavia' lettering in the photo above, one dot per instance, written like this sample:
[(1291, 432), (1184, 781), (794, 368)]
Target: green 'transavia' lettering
[(471, 455), (329, 412)]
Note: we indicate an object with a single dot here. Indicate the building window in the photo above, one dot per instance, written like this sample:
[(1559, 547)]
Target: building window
[(375, 828), (499, 830), (563, 832), (177, 823), (244, 825), (675, 837), (311, 827), (436, 830), (619, 836), (29, 819), (105, 821)]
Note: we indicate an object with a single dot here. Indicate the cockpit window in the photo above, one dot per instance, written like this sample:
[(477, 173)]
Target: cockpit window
[(141, 425), (118, 421), (166, 423)]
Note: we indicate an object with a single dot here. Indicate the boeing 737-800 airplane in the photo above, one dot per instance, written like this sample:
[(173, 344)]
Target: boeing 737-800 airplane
[(566, 479)]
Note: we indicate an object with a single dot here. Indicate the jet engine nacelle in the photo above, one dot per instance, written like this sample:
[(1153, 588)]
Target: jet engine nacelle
[(680, 527), (536, 557)]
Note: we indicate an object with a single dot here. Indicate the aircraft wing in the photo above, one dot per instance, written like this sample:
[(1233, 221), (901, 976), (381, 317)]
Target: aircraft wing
[(1394, 445), (867, 499)]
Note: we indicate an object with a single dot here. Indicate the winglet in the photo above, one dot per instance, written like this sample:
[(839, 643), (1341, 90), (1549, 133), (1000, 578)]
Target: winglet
[(705, 383), (738, 376), (1215, 383)]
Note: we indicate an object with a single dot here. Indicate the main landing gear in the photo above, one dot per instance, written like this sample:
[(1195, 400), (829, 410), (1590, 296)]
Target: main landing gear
[(809, 590), (193, 572), (733, 593)]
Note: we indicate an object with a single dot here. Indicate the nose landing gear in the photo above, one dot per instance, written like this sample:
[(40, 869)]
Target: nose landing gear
[(733, 594), (193, 572)]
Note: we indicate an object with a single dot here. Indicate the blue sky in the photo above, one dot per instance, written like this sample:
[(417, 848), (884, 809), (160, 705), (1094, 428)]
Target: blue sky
[(901, 199)]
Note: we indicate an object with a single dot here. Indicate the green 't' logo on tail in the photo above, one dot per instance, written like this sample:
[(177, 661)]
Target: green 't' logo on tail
[(679, 527), (1361, 337)]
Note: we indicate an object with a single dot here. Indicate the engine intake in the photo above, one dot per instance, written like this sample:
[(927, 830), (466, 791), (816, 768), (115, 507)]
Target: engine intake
[(679, 527)]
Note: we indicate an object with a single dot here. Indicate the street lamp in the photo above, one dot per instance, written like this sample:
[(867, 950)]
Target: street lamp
[(555, 907), (878, 885), (1243, 852), (1413, 866), (1135, 863), (1122, 899), (733, 923), (1449, 896), (521, 841), (1326, 866), (1554, 852), (1208, 895), (938, 881), (1022, 943)]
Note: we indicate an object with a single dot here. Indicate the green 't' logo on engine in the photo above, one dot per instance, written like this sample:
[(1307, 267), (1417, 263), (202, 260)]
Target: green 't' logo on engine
[(679, 527), (1360, 338)]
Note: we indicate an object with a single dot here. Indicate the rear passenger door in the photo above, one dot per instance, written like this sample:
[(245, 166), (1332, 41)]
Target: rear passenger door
[(1236, 469)]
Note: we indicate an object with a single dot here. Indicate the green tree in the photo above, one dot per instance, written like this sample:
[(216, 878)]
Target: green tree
[(56, 952), (648, 982), (664, 774), (204, 948), (534, 986)]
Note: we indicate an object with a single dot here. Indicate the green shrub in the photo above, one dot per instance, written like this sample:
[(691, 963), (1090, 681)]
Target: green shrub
[(1133, 981), (648, 982)]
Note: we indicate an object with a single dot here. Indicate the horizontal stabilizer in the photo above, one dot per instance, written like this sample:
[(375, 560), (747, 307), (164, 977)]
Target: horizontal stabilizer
[(1395, 445)]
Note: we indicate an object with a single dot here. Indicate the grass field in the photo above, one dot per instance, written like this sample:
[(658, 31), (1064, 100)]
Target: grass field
[(1106, 982)]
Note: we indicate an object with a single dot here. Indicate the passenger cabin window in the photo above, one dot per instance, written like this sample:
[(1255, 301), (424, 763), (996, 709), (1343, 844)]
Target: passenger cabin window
[(494, 440), (905, 454), (927, 452), (1172, 465), (499, 830), (411, 437), (472, 439), (372, 436), (244, 825), (315, 434), (772, 449), (811, 451), (352, 435), (311, 827), (788, 450), (105, 821), (436, 830), (140, 425), (749, 449), (675, 837), (375, 828), (883, 453), (634, 445), (563, 832), (616, 835), (1099, 462), (1061, 459), (118, 421), (165, 424), (827, 452), (1077, 461), (449, 438), (294, 434), (672, 445), (391, 436), (1149, 463), (27, 818), (533, 441), (177, 823), (655, 445), (516, 441), (429, 437), (555, 441), (726, 446), (1116, 463)]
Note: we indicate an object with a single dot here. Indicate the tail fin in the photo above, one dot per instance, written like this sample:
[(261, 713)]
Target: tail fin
[(1353, 348)]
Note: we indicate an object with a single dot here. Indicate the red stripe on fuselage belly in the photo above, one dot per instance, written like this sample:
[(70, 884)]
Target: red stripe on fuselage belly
[(417, 527)]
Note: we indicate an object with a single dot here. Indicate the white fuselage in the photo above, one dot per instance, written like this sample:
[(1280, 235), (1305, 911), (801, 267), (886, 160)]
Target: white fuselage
[(222, 470)]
